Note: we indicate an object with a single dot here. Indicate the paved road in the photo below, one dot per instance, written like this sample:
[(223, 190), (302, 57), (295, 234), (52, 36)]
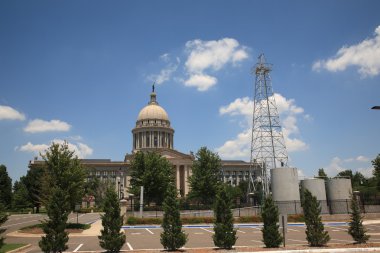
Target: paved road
[(149, 238)]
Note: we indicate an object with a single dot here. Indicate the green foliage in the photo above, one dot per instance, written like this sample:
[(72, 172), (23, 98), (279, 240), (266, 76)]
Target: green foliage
[(111, 238), (357, 179), (376, 171), (322, 173), (20, 198), (356, 228), (3, 219), (204, 180), (172, 237), (33, 182), (63, 170), (6, 187), (131, 220), (10, 246), (152, 171), (225, 234), (315, 231), (56, 237), (271, 235)]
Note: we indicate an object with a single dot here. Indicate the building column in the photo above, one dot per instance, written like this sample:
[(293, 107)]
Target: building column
[(186, 180), (177, 177)]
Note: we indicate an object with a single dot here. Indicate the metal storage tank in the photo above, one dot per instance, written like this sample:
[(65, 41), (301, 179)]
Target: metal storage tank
[(339, 192), (285, 190), (318, 189)]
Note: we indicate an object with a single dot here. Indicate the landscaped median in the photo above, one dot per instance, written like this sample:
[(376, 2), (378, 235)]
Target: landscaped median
[(131, 220), (13, 247), (70, 228)]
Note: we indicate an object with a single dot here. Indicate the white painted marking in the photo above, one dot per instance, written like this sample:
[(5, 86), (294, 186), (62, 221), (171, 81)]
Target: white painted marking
[(241, 231), (207, 230), (200, 233), (129, 246), (149, 231), (294, 230), (334, 230), (77, 248), (135, 233), (256, 241), (341, 229)]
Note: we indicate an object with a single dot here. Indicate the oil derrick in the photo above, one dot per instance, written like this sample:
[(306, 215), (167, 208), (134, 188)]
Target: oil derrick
[(268, 149)]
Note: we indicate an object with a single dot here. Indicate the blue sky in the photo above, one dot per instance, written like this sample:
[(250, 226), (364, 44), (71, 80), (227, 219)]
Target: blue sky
[(82, 70)]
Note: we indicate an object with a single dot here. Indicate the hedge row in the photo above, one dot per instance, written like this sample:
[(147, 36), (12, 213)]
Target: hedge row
[(197, 220)]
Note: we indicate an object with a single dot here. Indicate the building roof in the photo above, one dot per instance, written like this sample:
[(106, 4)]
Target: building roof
[(153, 111)]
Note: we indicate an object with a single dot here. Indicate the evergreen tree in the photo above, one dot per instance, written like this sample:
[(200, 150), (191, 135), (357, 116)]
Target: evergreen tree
[(315, 231), (152, 171), (322, 174), (376, 171), (3, 218), (225, 234), (33, 182), (204, 180), (56, 237), (111, 239), (356, 228), (20, 199), (271, 235), (6, 188), (172, 238)]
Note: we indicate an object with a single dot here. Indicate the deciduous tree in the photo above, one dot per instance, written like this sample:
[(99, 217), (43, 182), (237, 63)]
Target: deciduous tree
[(205, 179), (20, 199), (152, 171)]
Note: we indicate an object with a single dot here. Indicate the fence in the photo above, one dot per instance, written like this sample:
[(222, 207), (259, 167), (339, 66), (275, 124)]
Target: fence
[(342, 206)]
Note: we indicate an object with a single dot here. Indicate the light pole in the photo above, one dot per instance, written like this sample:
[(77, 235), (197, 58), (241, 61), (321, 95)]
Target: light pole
[(130, 196)]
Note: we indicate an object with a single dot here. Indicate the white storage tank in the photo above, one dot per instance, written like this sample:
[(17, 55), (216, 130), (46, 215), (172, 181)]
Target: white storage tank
[(285, 190), (318, 189), (339, 192)]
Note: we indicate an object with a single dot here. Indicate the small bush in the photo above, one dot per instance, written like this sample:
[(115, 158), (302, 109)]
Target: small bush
[(197, 220), (135, 220), (78, 226), (296, 218), (247, 219)]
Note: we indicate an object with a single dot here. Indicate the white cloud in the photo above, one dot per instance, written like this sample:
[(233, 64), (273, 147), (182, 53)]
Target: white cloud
[(337, 165), (362, 159), (81, 150), (365, 55), (39, 125), (210, 55), (201, 81), (8, 113), (239, 147), (167, 72)]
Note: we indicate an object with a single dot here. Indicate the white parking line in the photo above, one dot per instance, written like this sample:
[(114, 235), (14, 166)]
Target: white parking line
[(341, 229), (294, 230), (207, 230), (129, 246), (200, 233), (256, 241), (77, 248), (135, 233), (149, 231), (241, 231)]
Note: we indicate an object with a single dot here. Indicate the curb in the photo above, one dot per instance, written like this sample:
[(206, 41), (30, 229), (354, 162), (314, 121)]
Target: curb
[(20, 249), (375, 249)]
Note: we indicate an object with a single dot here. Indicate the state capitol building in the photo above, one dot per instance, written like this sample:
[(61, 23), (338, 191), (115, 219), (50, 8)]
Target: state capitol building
[(153, 132)]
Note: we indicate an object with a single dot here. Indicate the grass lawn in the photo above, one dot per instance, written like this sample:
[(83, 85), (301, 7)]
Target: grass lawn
[(10, 246)]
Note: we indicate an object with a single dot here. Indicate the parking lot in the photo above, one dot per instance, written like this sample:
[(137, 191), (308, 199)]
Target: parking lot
[(199, 236)]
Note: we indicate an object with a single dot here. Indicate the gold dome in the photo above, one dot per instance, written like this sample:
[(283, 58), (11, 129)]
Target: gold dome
[(153, 111)]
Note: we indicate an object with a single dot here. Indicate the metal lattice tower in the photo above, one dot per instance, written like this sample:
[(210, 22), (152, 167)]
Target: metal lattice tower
[(267, 146)]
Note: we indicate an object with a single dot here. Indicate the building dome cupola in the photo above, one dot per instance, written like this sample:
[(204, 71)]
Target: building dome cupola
[(152, 127)]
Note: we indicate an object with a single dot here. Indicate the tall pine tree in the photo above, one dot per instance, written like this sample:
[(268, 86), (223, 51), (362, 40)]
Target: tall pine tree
[(3, 218), (315, 231), (111, 239), (271, 235), (225, 234), (56, 237), (172, 238), (356, 228)]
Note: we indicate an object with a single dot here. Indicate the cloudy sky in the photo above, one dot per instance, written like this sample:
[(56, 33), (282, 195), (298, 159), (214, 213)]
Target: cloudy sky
[(82, 70)]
